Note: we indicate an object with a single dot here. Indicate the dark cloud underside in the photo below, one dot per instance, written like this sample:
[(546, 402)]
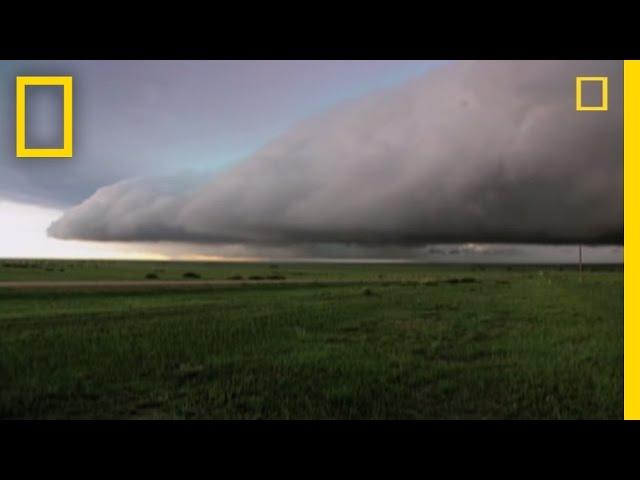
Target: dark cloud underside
[(472, 152)]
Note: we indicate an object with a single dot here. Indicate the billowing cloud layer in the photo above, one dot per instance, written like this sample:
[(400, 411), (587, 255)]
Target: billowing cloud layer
[(472, 152)]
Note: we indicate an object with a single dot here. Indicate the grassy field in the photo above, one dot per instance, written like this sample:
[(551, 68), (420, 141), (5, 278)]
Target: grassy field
[(399, 341)]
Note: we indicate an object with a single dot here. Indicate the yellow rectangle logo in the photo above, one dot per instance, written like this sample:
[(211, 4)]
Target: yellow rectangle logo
[(66, 151)]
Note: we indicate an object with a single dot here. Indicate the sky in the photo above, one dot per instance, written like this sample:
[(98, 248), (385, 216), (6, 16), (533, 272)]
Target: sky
[(435, 161)]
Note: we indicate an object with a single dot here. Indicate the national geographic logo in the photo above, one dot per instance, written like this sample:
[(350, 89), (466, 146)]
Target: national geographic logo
[(600, 104), (66, 150)]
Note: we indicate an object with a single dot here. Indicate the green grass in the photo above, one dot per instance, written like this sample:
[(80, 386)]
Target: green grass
[(523, 342)]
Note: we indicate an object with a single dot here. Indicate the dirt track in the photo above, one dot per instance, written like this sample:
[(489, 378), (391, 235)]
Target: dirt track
[(119, 284)]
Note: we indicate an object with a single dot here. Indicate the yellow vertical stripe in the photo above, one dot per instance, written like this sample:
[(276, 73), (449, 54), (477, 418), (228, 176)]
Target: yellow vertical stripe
[(631, 239), (68, 116), (20, 113)]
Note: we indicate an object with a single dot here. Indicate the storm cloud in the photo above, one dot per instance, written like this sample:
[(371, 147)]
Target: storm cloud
[(471, 152)]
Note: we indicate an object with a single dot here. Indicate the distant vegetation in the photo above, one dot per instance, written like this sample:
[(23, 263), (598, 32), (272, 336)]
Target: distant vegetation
[(59, 270), (462, 280), (267, 277)]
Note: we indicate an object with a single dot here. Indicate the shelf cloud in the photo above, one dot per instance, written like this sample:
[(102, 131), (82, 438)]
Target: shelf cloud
[(488, 152)]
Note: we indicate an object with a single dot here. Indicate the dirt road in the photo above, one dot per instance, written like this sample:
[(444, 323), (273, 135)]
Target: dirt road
[(152, 284)]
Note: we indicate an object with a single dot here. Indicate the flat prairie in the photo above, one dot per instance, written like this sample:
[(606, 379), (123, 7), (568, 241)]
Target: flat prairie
[(188, 340)]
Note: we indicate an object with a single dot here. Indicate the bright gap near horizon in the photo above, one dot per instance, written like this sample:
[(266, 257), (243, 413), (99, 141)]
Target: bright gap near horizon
[(24, 236)]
